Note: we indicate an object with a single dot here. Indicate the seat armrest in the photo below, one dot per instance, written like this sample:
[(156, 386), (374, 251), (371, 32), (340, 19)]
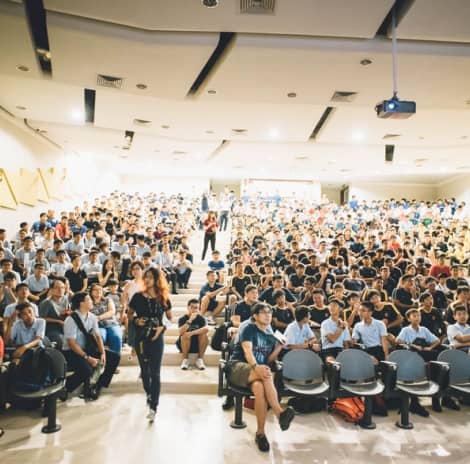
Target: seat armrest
[(333, 371), (439, 372), (388, 371)]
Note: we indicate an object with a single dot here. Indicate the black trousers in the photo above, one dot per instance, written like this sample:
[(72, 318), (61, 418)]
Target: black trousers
[(223, 220), (171, 278), (150, 356), (83, 370), (208, 238), (183, 278)]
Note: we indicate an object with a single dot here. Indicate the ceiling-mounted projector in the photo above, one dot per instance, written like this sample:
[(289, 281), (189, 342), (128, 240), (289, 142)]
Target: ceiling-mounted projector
[(395, 108)]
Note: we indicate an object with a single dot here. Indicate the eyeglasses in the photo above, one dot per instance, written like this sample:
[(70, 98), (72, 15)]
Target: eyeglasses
[(265, 311)]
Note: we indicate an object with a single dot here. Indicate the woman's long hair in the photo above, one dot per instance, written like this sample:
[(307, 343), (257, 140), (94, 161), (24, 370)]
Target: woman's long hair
[(160, 286)]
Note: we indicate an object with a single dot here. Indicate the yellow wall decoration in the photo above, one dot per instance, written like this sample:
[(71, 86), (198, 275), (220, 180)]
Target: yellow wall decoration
[(7, 196)]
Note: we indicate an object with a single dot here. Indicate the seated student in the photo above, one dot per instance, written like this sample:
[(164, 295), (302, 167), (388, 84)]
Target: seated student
[(431, 317), (26, 332), (54, 310), (334, 333), (266, 274), (354, 283), (459, 333), (299, 334), (296, 280), (440, 299), (338, 293), (387, 313), (340, 271), (60, 267), (318, 311), (371, 332), (366, 271), (38, 283), (403, 297), (105, 312), (239, 281), (377, 285), (93, 267), (283, 315), (6, 266), (462, 298), (208, 297), (420, 339), (305, 298), (255, 348), (22, 296), (267, 294), (351, 311), (242, 311), (218, 265), (183, 270), (114, 294), (324, 279), (192, 335), (81, 362), (7, 291)]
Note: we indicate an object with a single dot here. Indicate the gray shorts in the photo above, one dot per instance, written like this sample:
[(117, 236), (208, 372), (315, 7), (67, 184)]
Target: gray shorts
[(239, 372)]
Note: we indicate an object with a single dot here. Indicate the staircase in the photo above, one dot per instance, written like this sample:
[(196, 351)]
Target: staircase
[(175, 380)]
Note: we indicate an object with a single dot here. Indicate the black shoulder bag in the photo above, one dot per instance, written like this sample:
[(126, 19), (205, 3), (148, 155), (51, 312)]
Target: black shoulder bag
[(91, 345)]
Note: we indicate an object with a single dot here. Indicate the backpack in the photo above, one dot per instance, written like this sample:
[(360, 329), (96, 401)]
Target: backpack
[(39, 368), (91, 345), (219, 337), (350, 409), (306, 404)]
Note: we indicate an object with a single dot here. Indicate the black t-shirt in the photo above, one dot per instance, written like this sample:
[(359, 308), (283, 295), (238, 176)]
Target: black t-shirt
[(309, 301), (76, 279), (367, 272), (433, 322), (148, 307), (347, 314), (267, 295), (289, 270), (388, 312), (243, 309), (319, 315), (354, 285), (282, 315), (311, 270), (440, 300), (329, 281), (198, 322), (404, 297), (390, 285), (240, 284), (296, 281)]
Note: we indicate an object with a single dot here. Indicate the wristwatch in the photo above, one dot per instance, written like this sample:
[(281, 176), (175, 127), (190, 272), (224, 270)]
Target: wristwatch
[(86, 357)]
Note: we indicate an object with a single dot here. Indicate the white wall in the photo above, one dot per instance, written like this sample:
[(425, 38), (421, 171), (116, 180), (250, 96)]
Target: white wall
[(190, 186), (22, 148), (382, 191), (457, 187)]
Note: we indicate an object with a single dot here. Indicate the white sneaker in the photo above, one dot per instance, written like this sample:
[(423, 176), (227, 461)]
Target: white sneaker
[(185, 364), (210, 320), (151, 414), (200, 364)]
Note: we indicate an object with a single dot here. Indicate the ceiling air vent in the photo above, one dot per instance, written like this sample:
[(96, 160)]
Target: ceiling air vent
[(142, 122), (420, 160), (342, 96), (239, 131), (391, 136), (179, 152), (112, 82), (257, 6)]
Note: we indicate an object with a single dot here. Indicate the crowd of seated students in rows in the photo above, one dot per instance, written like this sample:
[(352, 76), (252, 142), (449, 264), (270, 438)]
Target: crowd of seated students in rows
[(377, 276), (90, 260)]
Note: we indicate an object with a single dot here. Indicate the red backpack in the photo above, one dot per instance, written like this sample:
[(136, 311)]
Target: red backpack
[(350, 409)]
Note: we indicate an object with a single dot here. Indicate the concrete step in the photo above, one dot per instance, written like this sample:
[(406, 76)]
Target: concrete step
[(173, 379), (171, 356)]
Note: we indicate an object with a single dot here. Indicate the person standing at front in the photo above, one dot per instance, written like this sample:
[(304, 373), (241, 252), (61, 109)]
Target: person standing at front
[(210, 230), (146, 311)]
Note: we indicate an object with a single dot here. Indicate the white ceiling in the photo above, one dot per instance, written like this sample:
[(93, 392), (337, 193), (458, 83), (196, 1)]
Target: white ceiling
[(312, 50)]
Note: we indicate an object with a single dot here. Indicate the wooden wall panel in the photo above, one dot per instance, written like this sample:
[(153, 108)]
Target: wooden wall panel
[(7, 196), (54, 182), (43, 194), (25, 186)]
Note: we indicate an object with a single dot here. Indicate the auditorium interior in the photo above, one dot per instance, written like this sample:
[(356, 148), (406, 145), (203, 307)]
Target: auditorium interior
[(331, 140)]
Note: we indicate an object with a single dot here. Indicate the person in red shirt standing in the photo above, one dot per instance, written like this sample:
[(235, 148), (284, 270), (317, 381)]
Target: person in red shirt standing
[(440, 267), (210, 230)]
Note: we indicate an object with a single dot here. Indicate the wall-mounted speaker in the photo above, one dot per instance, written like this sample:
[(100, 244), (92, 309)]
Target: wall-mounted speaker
[(389, 150)]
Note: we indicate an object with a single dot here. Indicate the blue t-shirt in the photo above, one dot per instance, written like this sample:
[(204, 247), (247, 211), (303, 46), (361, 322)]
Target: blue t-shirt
[(263, 343), (216, 265)]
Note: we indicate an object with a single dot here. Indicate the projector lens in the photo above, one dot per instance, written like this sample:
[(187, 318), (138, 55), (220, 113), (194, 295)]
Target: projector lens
[(391, 106)]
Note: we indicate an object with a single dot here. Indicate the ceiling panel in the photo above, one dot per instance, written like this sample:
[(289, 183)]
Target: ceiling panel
[(437, 20), (167, 63), (15, 42), (266, 69), (342, 18), (192, 119)]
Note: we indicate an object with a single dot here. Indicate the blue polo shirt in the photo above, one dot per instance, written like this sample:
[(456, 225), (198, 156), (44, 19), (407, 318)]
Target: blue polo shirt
[(297, 335), (328, 326), (370, 334), (21, 334), (409, 335)]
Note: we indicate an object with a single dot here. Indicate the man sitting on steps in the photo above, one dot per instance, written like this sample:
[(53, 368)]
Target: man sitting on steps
[(208, 297), (192, 335)]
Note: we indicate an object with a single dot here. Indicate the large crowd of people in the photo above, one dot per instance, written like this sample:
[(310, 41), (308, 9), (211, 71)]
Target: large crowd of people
[(375, 275)]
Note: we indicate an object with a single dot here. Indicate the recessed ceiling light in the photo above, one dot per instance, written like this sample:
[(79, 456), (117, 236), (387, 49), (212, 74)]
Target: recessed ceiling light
[(274, 133), (463, 137), (366, 62), (421, 138), (141, 86), (19, 107), (22, 68), (164, 126), (116, 146), (209, 131), (291, 94), (210, 3), (239, 131), (156, 150), (212, 92)]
